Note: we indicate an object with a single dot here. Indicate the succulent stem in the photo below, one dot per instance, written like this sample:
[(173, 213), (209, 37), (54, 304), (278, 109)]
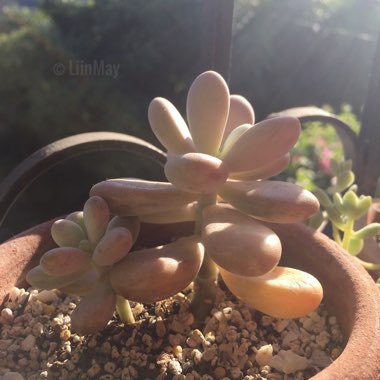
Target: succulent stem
[(124, 310), (205, 282), (336, 235), (348, 228)]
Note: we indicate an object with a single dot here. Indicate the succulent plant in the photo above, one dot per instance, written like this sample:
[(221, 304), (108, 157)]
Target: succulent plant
[(344, 208), (217, 170), (94, 261)]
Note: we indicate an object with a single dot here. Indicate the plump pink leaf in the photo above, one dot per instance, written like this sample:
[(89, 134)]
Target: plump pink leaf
[(94, 310), (262, 143), (240, 112), (238, 243), (272, 201), (64, 261), (169, 127), (196, 172), (41, 280), (138, 197), (281, 293), (131, 223), (67, 233), (266, 171), (96, 216), (207, 111), (154, 274), (113, 246)]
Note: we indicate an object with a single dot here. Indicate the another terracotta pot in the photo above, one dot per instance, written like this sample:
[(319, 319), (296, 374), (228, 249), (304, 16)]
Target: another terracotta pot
[(350, 293)]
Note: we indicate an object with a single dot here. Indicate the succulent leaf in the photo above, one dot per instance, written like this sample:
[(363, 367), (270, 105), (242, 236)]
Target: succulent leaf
[(263, 172), (343, 180), (207, 109), (153, 274), (65, 261), (196, 173), (185, 213), (85, 245), (41, 280), (322, 197), (82, 285), (113, 246), (95, 309), (67, 233), (355, 246), (238, 243), (368, 231), (271, 201), (240, 112), (131, 223), (281, 293), (96, 216), (169, 127), (232, 138), (262, 143), (138, 197), (78, 218)]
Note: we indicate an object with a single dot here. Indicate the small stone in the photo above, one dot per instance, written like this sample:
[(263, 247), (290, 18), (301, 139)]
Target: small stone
[(288, 362), (174, 367), (235, 372), (264, 355), (177, 350), (12, 376), (160, 328), (28, 343), (266, 320), (14, 293), (65, 335), (110, 367), (209, 354), (231, 334), (7, 314), (335, 353), (251, 326), (47, 296), (219, 372), (281, 325), (197, 356), (320, 358), (322, 339)]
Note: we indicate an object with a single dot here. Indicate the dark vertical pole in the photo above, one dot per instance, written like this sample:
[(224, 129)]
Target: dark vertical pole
[(216, 37), (368, 164)]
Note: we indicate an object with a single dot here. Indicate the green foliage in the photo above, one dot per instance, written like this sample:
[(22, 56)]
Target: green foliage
[(342, 207)]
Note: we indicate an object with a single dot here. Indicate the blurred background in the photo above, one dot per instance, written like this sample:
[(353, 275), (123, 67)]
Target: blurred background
[(284, 54)]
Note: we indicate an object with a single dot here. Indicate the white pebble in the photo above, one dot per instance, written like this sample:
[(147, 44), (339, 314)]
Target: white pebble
[(28, 343), (288, 362), (264, 355), (14, 293), (7, 314), (174, 367)]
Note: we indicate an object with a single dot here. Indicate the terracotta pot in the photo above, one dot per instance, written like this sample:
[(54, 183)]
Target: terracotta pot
[(350, 293)]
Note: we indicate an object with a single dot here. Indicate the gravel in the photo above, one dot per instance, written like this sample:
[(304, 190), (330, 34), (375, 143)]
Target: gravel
[(236, 342)]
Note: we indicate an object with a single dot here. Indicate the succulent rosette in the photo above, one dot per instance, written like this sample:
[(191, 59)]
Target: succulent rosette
[(217, 168), (93, 260)]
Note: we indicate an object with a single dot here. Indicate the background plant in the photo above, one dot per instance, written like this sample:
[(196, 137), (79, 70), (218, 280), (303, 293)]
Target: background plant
[(343, 208)]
